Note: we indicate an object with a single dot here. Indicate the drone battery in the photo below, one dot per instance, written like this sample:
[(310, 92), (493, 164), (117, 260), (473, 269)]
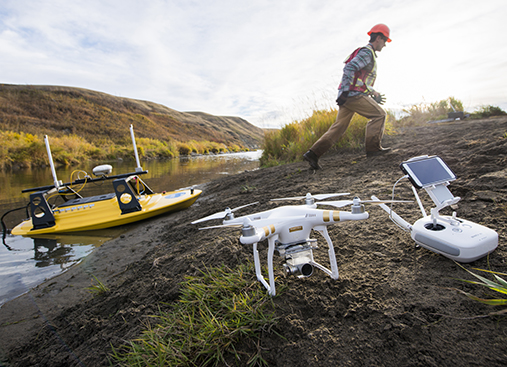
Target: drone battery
[(455, 238)]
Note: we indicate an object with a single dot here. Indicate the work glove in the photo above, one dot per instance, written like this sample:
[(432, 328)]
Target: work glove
[(380, 98), (342, 98)]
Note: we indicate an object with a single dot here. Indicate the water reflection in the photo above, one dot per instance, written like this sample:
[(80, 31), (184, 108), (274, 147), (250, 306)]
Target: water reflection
[(32, 260), (47, 252), (26, 262)]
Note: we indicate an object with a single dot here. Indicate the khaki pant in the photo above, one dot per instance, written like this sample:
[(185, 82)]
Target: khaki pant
[(364, 106)]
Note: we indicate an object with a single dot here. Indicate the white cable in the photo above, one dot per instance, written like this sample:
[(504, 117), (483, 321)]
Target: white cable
[(391, 206)]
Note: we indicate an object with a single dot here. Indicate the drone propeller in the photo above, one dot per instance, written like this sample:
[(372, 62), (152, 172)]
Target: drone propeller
[(222, 215), (246, 222), (310, 196), (223, 226), (356, 201)]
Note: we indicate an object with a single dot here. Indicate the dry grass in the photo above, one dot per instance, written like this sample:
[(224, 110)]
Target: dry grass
[(290, 142)]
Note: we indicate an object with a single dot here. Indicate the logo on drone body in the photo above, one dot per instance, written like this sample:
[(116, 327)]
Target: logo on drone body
[(310, 215)]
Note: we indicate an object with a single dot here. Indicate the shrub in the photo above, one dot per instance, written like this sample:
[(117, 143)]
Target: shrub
[(422, 113), (25, 150), (21, 149), (488, 111), (234, 148), (184, 149)]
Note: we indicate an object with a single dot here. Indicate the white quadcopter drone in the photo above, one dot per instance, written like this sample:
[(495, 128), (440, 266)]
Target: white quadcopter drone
[(288, 228)]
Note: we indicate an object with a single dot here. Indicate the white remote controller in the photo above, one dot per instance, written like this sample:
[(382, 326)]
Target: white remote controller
[(455, 238)]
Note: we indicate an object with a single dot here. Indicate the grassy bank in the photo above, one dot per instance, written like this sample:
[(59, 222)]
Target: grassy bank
[(21, 149), (25, 150), (290, 142)]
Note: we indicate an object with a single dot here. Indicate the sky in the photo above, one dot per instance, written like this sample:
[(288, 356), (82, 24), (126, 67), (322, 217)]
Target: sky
[(269, 62)]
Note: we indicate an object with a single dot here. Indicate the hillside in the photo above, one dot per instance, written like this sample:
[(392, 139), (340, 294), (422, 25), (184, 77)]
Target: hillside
[(95, 116)]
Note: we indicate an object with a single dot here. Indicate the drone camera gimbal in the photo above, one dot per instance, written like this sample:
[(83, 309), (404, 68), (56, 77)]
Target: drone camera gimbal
[(298, 257)]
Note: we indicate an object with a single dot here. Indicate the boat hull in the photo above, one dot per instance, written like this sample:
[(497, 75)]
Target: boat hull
[(100, 213)]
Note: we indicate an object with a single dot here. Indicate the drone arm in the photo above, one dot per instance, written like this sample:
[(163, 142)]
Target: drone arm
[(332, 256), (345, 216), (334, 216), (257, 237)]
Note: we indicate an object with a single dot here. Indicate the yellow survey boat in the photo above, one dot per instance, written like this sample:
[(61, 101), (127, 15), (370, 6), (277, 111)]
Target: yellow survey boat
[(103, 211), (131, 201)]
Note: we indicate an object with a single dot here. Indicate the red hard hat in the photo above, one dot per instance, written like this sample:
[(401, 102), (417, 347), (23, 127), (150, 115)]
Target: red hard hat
[(381, 28)]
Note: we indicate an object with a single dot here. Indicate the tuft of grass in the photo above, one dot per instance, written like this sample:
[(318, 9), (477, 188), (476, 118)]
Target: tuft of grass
[(218, 313), (498, 285), (290, 142), (99, 288)]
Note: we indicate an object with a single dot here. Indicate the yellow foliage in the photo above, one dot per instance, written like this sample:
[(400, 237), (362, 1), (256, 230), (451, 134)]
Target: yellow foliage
[(24, 150)]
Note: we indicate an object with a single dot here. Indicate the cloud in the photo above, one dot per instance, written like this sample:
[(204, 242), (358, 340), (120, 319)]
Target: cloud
[(268, 62)]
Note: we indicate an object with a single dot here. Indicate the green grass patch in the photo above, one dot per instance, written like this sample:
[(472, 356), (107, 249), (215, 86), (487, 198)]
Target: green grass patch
[(498, 284), (220, 315)]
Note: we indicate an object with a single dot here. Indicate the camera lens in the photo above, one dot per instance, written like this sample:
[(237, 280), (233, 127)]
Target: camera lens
[(306, 270)]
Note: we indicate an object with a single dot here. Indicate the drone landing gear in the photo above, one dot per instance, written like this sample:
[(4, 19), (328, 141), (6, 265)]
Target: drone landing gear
[(333, 273), (298, 257), (271, 250)]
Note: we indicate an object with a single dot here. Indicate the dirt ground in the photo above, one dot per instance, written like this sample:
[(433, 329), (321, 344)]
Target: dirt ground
[(393, 304)]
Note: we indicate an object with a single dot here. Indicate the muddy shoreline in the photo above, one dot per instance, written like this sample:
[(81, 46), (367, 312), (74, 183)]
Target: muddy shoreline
[(392, 305)]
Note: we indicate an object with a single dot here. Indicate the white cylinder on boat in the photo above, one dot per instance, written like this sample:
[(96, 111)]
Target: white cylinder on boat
[(103, 170)]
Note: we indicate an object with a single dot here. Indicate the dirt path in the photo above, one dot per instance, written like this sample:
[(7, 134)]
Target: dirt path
[(391, 306)]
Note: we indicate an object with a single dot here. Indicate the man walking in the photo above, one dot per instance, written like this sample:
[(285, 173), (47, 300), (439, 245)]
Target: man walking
[(356, 95)]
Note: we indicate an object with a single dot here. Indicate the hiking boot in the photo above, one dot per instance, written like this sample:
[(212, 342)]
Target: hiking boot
[(375, 153), (312, 159)]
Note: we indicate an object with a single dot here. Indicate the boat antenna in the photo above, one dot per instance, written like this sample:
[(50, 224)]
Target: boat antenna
[(50, 157), (138, 168)]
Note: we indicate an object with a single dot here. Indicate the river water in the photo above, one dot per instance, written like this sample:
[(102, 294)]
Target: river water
[(26, 262)]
